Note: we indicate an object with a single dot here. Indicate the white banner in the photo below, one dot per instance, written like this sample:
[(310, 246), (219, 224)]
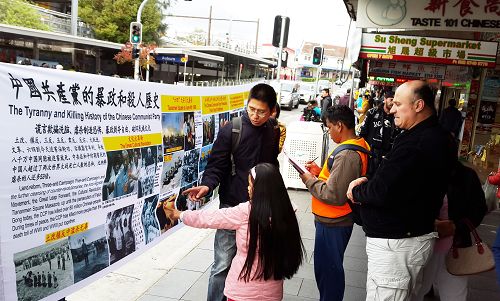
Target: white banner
[(88, 162), (477, 15)]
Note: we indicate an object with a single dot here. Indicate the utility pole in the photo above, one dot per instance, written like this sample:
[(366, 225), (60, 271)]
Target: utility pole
[(209, 25), (136, 63), (280, 53)]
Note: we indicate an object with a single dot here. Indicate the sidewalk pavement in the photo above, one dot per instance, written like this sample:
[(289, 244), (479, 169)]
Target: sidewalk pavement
[(178, 267)]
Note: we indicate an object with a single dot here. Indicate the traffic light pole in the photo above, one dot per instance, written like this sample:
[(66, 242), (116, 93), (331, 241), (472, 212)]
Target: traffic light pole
[(280, 53), (136, 63)]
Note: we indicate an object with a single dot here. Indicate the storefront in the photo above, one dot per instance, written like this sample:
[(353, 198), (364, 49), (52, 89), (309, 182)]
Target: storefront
[(454, 68)]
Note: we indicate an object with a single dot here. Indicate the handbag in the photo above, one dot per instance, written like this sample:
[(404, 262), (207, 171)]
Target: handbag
[(471, 260)]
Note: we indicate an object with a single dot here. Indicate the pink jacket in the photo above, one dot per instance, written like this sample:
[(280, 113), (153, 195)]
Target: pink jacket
[(236, 218)]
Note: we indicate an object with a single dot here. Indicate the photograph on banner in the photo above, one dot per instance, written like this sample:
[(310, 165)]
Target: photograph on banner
[(190, 167), (172, 132), (149, 222), (130, 171), (205, 154), (198, 125), (208, 129), (163, 220), (184, 203), (189, 131), (171, 175), (147, 171), (119, 233), (89, 251), (43, 270), (222, 120)]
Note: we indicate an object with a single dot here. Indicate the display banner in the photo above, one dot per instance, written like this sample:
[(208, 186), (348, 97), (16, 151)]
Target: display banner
[(457, 15), (406, 70), (88, 162), (429, 50)]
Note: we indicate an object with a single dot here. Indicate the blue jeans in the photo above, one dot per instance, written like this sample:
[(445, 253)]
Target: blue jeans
[(224, 252), (496, 254), (329, 247)]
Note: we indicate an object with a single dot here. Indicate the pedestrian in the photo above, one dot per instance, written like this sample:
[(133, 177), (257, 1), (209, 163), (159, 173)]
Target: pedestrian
[(379, 130), (344, 99), (312, 112), (49, 279), (332, 213), (85, 252), (451, 119), (58, 261), (326, 101), (460, 203), (400, 203), (63, 263), (56, 284), (281, 125), (258, 143), (49, 259), (267, 236), (366, 104), (44, 279)]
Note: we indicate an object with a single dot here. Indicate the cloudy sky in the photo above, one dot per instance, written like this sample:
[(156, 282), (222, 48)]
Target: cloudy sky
[(321, 21)]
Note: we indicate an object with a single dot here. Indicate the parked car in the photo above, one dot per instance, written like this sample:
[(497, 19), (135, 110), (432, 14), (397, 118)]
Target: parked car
[(306, 93), (289, 97)]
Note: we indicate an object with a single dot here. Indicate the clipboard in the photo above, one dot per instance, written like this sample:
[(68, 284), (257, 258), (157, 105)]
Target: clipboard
[(299, 167)]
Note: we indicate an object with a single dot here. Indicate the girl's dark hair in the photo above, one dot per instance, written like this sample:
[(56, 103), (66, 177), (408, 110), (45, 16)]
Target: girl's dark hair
[(273, 230)]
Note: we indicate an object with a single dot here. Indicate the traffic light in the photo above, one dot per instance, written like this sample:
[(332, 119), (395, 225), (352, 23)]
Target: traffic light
[(135, 52), (277, 31), (284, 59), (317, 58), (135, 32)]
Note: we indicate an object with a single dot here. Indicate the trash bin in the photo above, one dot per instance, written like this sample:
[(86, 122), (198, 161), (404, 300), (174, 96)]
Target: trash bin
[(304, 142)]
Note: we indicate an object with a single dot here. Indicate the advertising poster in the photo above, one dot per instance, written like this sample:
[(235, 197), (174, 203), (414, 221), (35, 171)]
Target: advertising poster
[(89, 164)]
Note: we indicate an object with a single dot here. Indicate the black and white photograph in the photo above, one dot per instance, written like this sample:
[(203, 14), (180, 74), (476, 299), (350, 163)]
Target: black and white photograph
[(89, 251), (119, 233), (146, 169), (43, 270), (164, 221), (149, 222), (205, 154), (172, 132), (172, 172), (234, 114), (189, 131), (208, 129), (190, 167), (184, 203), (160, 153)]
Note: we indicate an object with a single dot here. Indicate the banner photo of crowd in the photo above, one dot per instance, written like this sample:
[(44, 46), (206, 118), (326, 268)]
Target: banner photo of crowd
[(90, 166)]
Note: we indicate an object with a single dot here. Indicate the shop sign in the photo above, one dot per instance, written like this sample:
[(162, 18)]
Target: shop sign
[(487, 112), (429, 50), (456, 15), (162, 59), (407, 70)]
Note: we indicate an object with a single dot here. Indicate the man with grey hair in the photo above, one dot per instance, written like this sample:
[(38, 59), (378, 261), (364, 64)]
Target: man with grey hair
[(400, 203)]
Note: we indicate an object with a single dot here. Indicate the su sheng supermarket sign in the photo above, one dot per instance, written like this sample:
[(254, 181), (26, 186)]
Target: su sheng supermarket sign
[(429, 50)]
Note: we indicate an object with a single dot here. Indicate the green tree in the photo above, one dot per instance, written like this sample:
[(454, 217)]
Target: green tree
[(19, 13), (110, 19)]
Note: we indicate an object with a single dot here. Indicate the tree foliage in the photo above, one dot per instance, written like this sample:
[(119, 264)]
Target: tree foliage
[(110, 19), (19, 13), (125, 55)]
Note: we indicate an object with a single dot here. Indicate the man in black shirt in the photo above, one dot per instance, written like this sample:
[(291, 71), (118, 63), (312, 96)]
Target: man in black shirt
[(400, 203)]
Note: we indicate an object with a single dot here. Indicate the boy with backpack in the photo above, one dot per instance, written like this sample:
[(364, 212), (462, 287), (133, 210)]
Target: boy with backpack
[(240, 145)]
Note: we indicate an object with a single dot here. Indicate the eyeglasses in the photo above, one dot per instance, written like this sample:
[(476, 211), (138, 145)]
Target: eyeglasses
[(260, 113)]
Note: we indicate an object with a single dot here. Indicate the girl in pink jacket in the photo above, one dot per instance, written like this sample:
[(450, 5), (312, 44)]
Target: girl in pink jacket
[(269, 247)]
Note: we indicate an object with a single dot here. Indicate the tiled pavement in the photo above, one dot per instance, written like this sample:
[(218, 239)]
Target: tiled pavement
[(181, 273)]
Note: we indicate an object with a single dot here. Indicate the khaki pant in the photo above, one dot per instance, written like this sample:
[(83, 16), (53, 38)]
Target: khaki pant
[(395, 265)]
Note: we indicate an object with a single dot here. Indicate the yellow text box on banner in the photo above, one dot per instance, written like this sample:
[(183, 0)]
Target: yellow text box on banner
[(50, 237), (172, 103), (125, 142), (236, 101), (214, 104), (245, 94)]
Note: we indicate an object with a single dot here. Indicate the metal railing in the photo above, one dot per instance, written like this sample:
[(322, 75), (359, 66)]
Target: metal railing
[(222, 83), (60, 22)]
